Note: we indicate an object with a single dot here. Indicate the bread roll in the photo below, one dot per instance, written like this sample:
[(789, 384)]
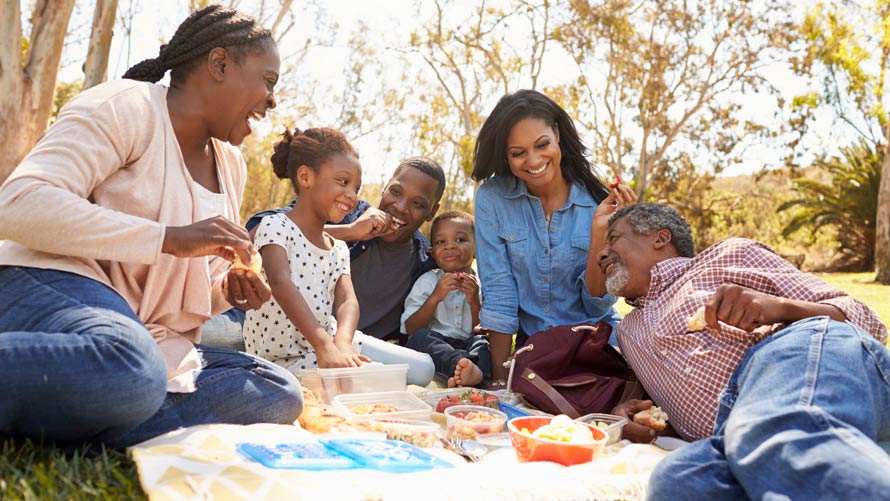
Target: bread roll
[(697, 321), (652, 417)]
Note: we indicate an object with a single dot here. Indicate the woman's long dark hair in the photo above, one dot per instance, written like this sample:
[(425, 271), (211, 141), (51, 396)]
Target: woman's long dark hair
[(490, 154), (205, 29)]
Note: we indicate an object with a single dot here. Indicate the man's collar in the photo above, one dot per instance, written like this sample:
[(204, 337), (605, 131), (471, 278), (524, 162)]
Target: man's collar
[(663, 274)]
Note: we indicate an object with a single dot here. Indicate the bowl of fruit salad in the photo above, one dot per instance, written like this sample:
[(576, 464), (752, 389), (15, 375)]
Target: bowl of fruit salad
[(445, 399), (467, 422), (557, 439)]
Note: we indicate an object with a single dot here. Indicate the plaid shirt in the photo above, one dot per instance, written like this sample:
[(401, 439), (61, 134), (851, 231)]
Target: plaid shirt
[(684, 372)]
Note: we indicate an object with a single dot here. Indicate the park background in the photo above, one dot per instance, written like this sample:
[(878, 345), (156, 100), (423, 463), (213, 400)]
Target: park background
[(764, 119)]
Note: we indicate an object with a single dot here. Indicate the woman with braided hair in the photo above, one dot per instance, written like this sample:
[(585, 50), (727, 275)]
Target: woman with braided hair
[(104, 297)]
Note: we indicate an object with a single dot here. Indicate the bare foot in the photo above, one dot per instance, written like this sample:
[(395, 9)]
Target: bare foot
[(466, 373)]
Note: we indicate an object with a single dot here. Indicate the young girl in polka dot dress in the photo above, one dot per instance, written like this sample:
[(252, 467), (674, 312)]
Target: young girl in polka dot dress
[(311, 319)]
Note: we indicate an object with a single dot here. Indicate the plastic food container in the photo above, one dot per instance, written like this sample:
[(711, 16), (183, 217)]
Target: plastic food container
[(442, 399), (387, 405), (611, 424), (495, 440), (467, 422), (370, 378), (419, 433), (529, 448)]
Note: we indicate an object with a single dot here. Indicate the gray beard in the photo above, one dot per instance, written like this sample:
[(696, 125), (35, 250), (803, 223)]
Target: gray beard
[(617, 280)]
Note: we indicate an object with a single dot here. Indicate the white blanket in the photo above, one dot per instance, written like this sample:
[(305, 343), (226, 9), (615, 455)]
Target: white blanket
[(201, 462)]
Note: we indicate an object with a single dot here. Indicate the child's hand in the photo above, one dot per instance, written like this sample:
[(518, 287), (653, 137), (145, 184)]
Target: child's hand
[(345, 347), (373, 223), (447, 283), (469, 285), (330, 357)]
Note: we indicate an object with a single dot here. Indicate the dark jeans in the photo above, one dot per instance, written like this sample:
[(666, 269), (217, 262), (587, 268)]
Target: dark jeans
[(446, 352), (77, 365)]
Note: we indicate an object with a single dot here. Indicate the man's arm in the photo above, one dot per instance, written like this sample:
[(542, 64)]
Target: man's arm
[(748, 309)]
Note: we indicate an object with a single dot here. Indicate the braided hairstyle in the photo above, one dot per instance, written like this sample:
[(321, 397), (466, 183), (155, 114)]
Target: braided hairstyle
[(311, 148), (205, 29)]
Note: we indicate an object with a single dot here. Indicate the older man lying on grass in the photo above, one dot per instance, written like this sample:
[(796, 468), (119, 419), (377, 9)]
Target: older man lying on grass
[(786, 387)]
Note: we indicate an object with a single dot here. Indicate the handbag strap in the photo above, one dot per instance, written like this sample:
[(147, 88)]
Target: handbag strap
[(544, 387), (632, 388)]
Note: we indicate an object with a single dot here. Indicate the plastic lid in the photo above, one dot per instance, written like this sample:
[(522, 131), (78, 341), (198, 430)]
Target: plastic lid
[(389, 456), (364, 369), (305, 456)]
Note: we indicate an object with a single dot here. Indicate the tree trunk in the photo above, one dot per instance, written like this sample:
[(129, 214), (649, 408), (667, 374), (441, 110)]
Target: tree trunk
[(27, 96), (95, 70), (882, 221)]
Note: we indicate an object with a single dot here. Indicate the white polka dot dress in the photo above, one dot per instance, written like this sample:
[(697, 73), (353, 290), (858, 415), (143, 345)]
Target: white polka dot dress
[(267, 331)]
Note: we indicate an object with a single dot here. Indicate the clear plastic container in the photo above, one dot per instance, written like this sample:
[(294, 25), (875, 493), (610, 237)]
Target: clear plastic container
[(440, 400), (467, 422), (412, 431), (387, 404), (611, 424), (370, 378)]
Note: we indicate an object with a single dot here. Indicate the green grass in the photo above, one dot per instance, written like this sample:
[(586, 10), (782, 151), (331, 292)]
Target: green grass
[(30, 472), (863, 287)]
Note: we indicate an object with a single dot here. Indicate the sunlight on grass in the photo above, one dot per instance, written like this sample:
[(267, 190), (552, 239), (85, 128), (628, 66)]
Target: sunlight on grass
[(29, 471)]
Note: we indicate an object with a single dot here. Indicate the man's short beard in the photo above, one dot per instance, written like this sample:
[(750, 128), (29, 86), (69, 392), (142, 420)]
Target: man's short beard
[(617, 280)]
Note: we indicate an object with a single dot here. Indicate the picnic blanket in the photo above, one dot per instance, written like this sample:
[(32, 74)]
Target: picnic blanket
[(202, 462)]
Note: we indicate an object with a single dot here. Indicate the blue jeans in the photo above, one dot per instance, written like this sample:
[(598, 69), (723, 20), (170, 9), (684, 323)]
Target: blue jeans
[(420, 365), (78, 366), (800, 418), (446, 352)]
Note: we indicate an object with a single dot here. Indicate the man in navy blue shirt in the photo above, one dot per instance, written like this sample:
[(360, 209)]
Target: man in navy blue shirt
[(387, 251)]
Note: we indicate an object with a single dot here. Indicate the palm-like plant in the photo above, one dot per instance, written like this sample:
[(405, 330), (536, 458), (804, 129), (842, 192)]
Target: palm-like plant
[(849, 203)]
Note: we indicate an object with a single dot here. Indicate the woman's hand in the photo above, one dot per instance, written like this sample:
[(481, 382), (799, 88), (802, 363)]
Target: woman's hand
[(620, 196), (216, 236), (245, 289)]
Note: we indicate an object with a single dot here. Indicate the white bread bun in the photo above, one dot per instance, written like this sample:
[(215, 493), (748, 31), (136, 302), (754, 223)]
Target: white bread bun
[(652, 417)]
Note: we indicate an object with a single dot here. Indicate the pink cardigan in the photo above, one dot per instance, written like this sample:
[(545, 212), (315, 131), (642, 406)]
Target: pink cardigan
[(93, 198)]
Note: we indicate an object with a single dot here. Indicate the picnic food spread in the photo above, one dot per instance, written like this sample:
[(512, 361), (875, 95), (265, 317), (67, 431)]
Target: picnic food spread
[(467, 422), (375, 408), (563, 429), (470, 397), (652, 417)]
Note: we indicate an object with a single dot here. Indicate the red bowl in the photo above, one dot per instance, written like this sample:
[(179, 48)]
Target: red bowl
[(529, 448)]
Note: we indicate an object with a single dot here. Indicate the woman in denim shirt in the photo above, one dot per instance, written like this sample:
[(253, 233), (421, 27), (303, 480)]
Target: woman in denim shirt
[(540, 222)]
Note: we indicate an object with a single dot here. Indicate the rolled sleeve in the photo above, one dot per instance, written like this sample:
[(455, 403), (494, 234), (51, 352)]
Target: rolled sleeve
[(859, 315), (600, 308), (498, 322), (421, 290)]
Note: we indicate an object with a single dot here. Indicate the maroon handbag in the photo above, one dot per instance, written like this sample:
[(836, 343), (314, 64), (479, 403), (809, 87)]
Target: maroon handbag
[(573, 370)]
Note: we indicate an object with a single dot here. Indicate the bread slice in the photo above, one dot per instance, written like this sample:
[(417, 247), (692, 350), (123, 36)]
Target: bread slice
[(653, 417)]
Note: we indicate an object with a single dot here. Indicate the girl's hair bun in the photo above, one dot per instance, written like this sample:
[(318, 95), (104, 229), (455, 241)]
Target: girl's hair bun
[(281, 152)]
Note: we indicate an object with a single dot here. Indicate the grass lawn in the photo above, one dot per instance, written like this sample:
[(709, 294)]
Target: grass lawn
[(30, 472)]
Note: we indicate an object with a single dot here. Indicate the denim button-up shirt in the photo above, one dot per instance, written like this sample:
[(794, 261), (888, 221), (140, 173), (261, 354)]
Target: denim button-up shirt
[(533, 276)]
